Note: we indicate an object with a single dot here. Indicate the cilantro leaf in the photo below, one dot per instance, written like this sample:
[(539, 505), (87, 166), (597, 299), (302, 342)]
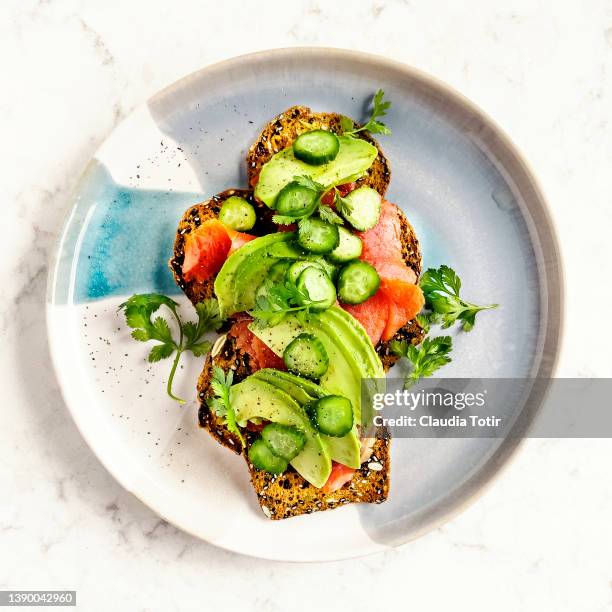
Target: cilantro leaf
[(343, 205), (431, 355), (307, 181), (328, 214), (283, 219), (346, 124), (220, 402), (441, 288), (160, 351), (278, 300), (380, 106), (138, 311)]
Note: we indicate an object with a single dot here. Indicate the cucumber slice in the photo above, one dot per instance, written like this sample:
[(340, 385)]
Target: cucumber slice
[(263, 458), (316, 147), (315, 283), (357, 282), (349, 248), (333, 415), (284, 441), (296, 268), (295, 200), (237, 213), (318, 236), (307, 356), (363, 208)]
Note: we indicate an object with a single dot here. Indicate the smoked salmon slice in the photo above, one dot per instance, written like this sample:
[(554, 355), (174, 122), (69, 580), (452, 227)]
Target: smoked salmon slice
[(399, 299), (373, 314), (206, 250), (208, 247), (261, 356), (339, 476)]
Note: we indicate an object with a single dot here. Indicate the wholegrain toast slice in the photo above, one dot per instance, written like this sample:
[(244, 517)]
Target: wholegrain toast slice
[(289, 494), (280, 133), (286, 495)]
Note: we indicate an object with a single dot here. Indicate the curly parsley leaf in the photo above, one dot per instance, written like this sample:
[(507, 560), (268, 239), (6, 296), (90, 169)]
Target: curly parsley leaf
[(220, 401), (441, 288), (426, 358), (138, 311), (380, 106)]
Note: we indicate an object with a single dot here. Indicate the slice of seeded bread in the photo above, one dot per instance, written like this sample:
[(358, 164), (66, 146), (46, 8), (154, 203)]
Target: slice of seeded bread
[(288, 494), (280, 133)]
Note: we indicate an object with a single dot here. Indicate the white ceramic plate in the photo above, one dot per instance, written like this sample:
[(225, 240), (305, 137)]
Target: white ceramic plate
[(464, 187)]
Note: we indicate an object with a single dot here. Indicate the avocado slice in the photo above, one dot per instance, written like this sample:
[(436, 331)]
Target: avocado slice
[(343, 376), (300, 389), (249, 264), (354, 157), (254, 397), (351, 354), (347, 328), (345, 450)]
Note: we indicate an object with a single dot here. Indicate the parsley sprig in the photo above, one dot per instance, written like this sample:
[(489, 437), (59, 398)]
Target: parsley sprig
[(138, 311), (279, 300), (380, 106), (441, 289), (431, 354), (220, 401)]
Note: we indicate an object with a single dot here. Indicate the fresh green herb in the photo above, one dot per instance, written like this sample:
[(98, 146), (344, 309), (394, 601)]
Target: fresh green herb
[(307, 181), (325, 212), (283, 219), (379, 109), (342, 204), (427, 319), (278, 300), (441, 288), (328, 214), (220, 402), (425, 358), (138, 311)]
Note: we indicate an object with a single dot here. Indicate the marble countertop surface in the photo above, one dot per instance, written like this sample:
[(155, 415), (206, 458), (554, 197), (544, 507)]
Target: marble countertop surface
[(541, 536)]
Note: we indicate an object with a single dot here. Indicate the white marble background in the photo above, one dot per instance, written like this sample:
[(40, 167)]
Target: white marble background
[(539, 539)]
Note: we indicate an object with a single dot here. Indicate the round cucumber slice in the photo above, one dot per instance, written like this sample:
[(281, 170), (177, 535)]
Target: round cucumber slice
[(318, 236), (238, 214), (295, 200), (283, 440), (263, 458), (296, 268), (349, 247), (363, 209), (357, 282), (333, 415), (316, 147), (314, 283), (307, 356)]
